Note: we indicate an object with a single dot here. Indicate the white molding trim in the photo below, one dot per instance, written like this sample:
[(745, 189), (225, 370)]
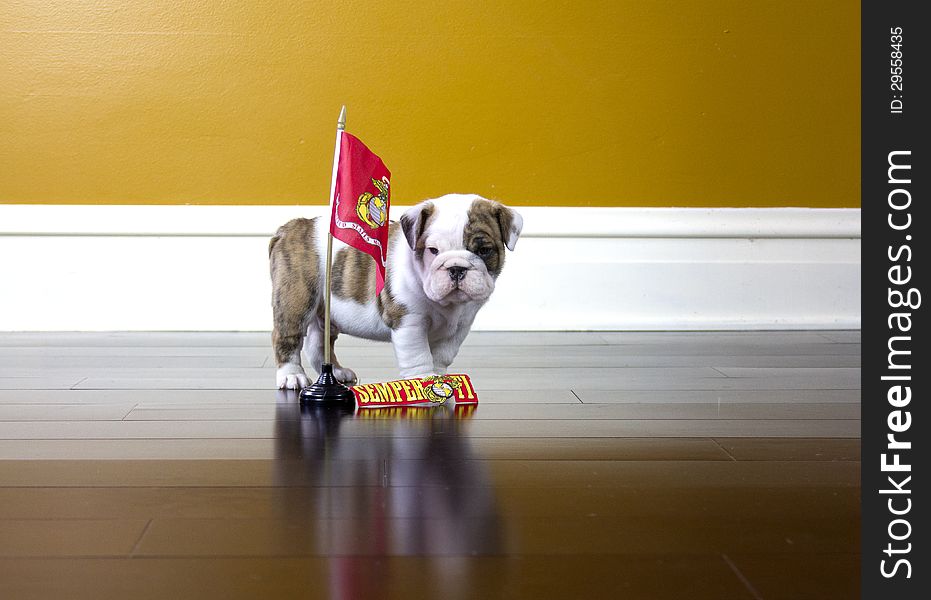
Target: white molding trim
[(99, 268), (93, 219)]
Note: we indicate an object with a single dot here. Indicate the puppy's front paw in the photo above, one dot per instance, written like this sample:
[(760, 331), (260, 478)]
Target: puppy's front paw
[(345, 376), (291, 377)]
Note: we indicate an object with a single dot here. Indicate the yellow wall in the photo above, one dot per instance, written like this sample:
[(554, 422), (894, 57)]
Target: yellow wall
[(628, 103)]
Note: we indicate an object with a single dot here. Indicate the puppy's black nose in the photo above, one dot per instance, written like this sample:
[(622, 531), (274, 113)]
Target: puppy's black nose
[(456, 273)]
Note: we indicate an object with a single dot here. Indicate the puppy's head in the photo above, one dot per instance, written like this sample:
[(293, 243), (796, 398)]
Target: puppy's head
[(459, 242)]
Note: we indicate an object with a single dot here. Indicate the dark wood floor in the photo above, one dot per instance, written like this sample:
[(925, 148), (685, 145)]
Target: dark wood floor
[(597, 465)]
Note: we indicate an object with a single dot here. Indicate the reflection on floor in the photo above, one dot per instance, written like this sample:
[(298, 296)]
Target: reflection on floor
[(597, 465)]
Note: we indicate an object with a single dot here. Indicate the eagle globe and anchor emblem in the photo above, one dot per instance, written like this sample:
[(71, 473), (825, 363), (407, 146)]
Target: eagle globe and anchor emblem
[(440, 388), (373, 208)]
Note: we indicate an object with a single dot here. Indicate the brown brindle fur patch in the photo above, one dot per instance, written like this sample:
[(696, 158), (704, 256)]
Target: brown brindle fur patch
[(389, 308), (414, 231), (353, 275), (426, 217), (295, 275), (487, 227), (354, 278)]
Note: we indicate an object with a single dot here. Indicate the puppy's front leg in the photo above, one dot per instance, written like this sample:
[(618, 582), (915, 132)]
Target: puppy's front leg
[(412, 348), (445, 350)]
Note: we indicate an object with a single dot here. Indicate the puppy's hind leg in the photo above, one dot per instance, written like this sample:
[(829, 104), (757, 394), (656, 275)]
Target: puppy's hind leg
[(295, 272), (287, 343), (290, 304)]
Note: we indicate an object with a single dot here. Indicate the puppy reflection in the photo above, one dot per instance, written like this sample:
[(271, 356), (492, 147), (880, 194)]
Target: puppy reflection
[(387, 482)]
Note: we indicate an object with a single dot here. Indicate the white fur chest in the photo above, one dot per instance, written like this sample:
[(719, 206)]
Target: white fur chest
[(449, 322)]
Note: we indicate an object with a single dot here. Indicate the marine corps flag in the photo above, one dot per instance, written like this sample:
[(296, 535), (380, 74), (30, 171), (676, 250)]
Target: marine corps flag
[(361, 198)]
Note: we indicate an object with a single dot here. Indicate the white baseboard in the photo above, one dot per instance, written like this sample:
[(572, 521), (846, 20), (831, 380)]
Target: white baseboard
[(100, 268)]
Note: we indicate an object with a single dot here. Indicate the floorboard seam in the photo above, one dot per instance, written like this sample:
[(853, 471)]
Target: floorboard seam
[(743, 579), (723, 449), (129, 412), (132, 553)]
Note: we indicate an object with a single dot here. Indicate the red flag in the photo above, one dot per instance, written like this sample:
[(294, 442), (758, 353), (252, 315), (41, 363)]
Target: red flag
[(361, 202)]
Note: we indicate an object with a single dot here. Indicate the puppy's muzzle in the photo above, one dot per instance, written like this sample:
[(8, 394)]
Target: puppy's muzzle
[(457, 274)]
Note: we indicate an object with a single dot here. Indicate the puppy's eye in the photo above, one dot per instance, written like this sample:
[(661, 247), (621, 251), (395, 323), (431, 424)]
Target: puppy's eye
[(433, 251), (485, 251)]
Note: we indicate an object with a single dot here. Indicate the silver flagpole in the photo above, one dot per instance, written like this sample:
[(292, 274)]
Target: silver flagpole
[(340, 127), (327, 390)]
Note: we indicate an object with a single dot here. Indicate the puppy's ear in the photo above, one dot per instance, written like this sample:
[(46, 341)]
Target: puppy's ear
[(511, 223), (414, 221)]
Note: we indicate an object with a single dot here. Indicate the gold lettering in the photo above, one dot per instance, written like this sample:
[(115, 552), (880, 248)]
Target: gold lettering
[(384, 393), (465, 387), (372, 392), (417, 386), (361, 393), (406, 386)]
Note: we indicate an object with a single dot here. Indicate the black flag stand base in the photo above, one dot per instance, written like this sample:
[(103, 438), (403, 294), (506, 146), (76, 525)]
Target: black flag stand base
[(327, 391)]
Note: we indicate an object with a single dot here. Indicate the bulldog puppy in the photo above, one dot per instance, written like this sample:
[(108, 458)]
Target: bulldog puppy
[(443, 260)]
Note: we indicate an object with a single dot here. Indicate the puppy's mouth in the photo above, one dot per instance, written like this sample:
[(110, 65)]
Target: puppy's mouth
[(455, 298), (457, 281), (451, 286)]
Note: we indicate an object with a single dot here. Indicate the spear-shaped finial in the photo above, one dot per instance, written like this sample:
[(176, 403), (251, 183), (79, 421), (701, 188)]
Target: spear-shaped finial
[(341, 123)]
